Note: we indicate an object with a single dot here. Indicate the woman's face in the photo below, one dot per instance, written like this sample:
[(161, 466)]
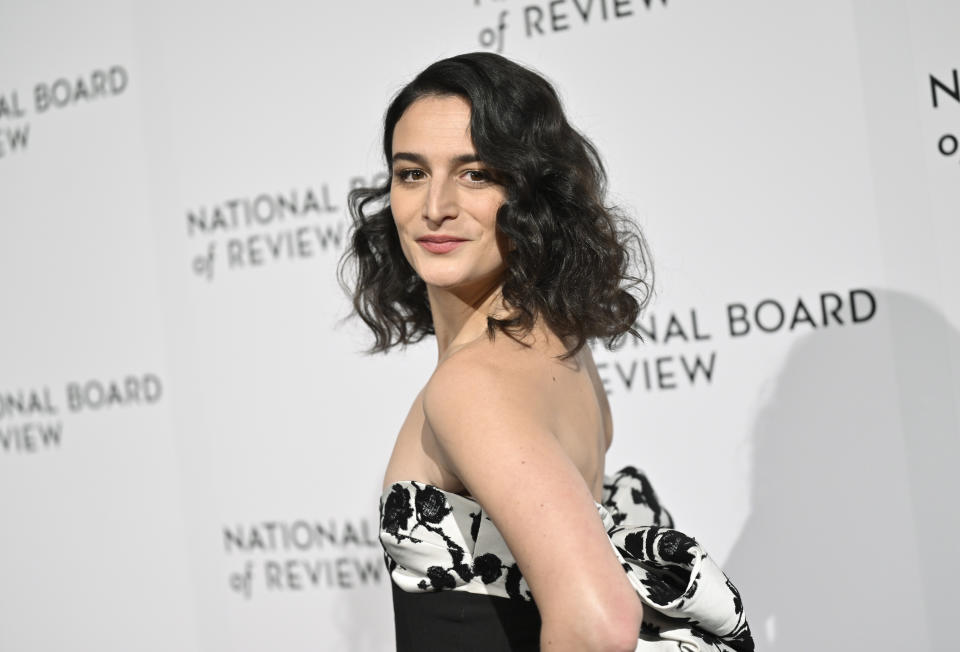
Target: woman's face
[(443, 200)]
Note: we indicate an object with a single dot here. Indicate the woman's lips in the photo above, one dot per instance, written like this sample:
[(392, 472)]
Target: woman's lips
[(440, 246)]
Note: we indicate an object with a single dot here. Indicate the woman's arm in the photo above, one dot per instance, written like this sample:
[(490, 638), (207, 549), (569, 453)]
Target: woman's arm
[(490, 428)]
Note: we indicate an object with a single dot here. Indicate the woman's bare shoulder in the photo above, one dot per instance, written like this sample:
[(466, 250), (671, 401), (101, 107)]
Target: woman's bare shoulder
[(484, 406), (530, 382), (495, 371)]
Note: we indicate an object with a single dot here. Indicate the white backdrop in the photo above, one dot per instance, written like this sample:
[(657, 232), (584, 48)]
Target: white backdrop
[(191, 443)]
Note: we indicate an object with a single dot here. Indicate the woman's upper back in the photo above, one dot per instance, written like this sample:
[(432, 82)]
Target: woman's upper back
[(566, 397)]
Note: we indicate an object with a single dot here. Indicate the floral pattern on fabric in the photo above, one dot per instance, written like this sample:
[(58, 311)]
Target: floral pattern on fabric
[(434, 540)]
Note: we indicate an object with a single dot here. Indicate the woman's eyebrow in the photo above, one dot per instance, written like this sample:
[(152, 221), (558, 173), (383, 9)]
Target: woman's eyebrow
[(420, 159), (410, 156), (466, 158)]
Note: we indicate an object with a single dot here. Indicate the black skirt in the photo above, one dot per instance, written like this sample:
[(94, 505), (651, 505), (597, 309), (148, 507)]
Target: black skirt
[(458, 621)]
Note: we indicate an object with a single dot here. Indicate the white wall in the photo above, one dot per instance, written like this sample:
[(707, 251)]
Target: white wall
[(780, 156)]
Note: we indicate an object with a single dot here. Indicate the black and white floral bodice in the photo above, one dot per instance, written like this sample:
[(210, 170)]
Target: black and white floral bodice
[(434, 540)]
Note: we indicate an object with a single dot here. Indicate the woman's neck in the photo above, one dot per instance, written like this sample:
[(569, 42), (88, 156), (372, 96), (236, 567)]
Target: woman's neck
[(460, 315)]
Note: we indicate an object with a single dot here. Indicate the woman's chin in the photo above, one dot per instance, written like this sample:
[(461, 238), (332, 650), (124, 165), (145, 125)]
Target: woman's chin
[(459, 281), (444, 274), (445, 281), (449, 275)]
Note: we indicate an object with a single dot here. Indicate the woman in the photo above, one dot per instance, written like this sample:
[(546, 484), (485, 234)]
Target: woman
[(499, 530)]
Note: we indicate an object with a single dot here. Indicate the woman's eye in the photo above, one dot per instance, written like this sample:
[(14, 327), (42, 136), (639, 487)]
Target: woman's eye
[(410, 174), (477, 176)]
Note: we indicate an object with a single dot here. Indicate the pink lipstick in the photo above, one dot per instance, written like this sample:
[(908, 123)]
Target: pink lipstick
[(440, 244)]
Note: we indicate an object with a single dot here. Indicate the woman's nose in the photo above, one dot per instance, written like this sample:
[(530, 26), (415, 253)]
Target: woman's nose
[(441, 201)]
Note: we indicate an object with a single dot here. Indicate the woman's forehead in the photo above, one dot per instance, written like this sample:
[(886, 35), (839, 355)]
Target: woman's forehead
[(438, 123)]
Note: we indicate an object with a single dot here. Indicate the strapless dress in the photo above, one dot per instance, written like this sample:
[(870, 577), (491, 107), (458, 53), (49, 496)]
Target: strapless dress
[(457, 587)]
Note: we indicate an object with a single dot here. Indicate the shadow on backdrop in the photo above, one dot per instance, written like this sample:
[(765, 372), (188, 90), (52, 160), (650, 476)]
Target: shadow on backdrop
[(850, 541)]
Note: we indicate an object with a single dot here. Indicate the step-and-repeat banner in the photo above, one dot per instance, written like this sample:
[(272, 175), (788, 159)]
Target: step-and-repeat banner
[(192, 442)]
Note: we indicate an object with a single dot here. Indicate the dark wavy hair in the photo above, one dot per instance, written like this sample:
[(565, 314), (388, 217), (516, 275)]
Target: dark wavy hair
[(575, 262)]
